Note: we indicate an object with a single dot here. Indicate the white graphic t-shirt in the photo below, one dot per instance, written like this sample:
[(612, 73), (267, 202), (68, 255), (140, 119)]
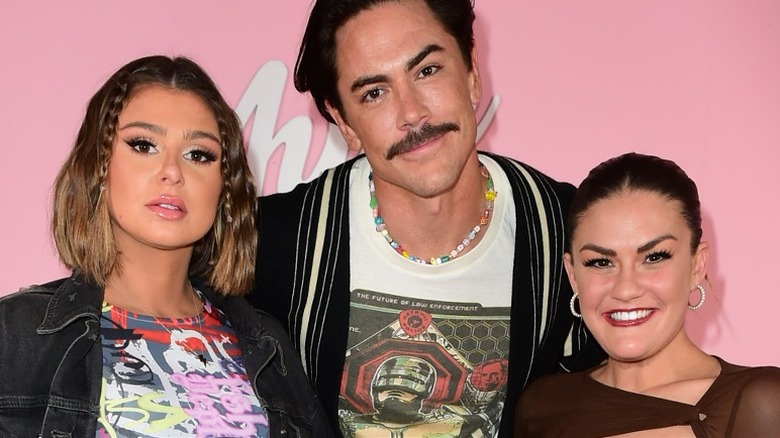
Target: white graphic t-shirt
[(175, 378), (428, 345)]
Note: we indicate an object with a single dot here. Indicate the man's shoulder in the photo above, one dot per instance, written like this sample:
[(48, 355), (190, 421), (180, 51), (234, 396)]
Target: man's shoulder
[(280, 214), (517, 170), (340, 171)]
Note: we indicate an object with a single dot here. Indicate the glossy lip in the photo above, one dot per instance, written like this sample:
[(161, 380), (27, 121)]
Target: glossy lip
[(168, 207), (649, 313)]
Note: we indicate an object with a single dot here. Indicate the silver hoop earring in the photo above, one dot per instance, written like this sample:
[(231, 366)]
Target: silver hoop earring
[(571, 306), (701, 298)]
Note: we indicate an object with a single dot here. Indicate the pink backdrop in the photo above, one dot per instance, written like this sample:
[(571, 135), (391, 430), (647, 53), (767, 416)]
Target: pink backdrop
[(567, 85)]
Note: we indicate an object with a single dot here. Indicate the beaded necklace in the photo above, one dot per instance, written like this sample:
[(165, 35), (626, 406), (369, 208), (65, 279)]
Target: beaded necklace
[(381, 227)]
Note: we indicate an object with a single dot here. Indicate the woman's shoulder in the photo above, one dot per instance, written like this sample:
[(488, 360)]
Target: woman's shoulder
[(756, 398), (552, 388), (30, 295), (749, 374), (21, 313)]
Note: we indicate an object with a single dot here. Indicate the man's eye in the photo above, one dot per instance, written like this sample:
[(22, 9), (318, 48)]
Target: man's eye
[(372, 94), (429, 70)]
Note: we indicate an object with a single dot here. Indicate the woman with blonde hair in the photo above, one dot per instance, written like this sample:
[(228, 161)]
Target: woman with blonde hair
[(154, 212)]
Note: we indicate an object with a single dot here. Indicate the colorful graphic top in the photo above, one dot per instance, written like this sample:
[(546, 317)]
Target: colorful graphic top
[(175, 378)]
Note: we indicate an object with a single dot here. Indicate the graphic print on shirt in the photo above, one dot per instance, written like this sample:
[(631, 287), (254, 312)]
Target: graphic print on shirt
[(155, 384), (418, 368)]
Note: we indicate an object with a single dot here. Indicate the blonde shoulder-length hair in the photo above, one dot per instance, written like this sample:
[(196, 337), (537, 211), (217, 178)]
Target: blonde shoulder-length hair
[(225, 256)]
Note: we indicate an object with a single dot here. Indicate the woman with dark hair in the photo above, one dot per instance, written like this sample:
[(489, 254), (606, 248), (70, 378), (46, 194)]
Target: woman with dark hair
[(638, 265), (154, 211)]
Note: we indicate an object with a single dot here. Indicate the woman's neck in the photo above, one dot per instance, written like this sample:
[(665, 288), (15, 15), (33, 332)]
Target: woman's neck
[(156, 283), (680, 372)]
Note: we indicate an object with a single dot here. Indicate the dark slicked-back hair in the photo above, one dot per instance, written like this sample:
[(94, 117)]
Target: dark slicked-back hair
[(81, 225), (638, 172), (316, 70)]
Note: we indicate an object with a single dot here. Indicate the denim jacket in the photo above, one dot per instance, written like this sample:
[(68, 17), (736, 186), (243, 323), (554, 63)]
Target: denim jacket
[(51, 363)]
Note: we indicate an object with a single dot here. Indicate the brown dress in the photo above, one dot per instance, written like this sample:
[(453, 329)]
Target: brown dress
[(742, 402)]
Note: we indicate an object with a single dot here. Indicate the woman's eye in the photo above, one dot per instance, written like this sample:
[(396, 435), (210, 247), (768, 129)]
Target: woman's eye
[(658, 256), (597, 263), (200, 156), (142, 146)]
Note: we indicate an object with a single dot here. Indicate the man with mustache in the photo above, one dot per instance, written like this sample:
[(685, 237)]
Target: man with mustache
[(422, 247)]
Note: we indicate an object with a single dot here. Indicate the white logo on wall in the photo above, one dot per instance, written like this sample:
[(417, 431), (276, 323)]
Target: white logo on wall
[(263, 99)]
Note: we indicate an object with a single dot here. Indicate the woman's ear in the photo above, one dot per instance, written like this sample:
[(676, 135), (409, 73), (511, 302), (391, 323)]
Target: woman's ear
[(699, 268), (569, 265)]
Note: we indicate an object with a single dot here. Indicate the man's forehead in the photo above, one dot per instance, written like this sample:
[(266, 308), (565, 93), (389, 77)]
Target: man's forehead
[(382, 39)]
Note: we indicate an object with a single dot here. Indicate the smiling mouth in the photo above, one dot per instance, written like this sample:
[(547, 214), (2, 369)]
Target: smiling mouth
[(629, 316)]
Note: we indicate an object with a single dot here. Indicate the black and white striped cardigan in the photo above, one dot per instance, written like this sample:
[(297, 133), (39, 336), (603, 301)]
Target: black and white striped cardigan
[(303, 279)]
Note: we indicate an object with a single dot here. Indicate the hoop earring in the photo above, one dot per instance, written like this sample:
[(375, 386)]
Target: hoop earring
[(701, 299), (571, 306)]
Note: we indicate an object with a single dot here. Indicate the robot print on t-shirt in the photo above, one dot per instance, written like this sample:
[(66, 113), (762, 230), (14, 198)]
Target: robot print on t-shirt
[(418, 368)]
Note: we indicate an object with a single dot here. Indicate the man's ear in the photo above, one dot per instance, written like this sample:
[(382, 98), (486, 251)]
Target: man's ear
[(474, 79), (353, 141)]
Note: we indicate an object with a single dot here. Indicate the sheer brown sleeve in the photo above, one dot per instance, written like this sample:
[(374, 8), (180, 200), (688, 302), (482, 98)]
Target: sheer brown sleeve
[(756, 411)]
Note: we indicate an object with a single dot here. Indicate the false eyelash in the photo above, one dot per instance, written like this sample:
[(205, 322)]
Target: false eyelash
[(135, 142), (661, 255), (594, 263), (209, 155)]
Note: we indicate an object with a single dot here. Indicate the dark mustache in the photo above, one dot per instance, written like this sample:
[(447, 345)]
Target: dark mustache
[(414, 138)]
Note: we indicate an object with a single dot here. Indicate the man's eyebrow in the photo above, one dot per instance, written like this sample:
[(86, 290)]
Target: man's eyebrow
[(145, 125), (367, 80), (412, 63)]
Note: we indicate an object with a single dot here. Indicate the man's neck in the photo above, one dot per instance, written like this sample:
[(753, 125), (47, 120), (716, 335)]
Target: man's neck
[(432, 227)]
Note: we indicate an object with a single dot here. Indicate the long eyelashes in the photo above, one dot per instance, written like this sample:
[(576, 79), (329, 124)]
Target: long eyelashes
[(197, 154), (658, 256), (596, 263), (141, 145), (651, 258), (201, 156)]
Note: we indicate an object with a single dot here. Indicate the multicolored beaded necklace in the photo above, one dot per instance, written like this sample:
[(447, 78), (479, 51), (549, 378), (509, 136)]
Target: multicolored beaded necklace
[(381, 227)]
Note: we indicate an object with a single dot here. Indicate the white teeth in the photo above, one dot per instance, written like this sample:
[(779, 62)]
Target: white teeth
[(168, 206), (629, 316)]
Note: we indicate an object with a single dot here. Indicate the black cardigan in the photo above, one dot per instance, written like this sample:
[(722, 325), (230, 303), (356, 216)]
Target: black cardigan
[(303, 279)]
